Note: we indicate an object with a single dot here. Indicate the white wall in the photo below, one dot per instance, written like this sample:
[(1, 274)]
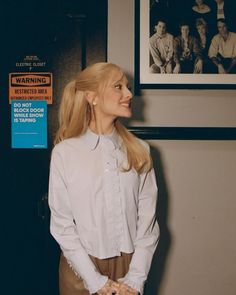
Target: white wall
[(197, 198)]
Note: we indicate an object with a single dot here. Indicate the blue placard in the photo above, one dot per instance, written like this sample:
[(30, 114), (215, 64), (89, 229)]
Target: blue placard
[(29, 124)]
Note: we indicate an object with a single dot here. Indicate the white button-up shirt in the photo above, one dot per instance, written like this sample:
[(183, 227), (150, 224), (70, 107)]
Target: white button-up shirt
[(161, 48), (226, 48), (98, 209)]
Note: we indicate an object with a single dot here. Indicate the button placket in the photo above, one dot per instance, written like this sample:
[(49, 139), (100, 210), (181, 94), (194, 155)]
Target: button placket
[(112, 194)]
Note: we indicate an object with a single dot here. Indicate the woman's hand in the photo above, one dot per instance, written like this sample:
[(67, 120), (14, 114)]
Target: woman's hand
[(221, 69), (109, 288), (198, 67), (126, 290), (114, 288), (176, 69)]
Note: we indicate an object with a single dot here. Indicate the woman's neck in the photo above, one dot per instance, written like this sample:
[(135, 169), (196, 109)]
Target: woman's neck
[(102, 127)]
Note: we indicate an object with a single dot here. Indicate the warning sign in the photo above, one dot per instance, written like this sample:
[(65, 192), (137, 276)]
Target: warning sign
[(30, 86)]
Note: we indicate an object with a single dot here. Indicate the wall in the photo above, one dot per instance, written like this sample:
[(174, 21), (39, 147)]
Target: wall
[(196, 179)]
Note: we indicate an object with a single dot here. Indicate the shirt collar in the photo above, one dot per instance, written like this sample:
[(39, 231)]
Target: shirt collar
[(92, 139), (228, 37), (160, 36)]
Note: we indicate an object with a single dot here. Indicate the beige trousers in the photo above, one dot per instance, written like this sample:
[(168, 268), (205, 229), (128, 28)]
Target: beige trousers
[(114, 268)]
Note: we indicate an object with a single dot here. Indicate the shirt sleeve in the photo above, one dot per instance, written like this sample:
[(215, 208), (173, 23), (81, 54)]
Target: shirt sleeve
[(155, 52), (234, 45), (147, 233), (214, 48), (177, 50), (196, 49), (171, 48), (63, 228)]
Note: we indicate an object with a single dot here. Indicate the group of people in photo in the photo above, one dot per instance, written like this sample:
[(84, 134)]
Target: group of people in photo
[(192, 37)]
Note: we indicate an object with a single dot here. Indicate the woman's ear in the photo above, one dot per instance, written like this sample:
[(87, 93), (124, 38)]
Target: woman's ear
[(91, 97)]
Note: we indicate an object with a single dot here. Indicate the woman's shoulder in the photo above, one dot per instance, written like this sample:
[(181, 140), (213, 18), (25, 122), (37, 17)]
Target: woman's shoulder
[(169, 36), (144, 144), (195, 8), (67, 144), (205, 9)]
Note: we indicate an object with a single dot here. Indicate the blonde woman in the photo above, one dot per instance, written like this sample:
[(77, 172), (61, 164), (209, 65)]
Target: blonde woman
[(102, 189)]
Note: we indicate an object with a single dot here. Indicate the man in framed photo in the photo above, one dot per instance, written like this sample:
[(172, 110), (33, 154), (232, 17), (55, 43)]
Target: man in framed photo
[(161, 49), (222, 51)]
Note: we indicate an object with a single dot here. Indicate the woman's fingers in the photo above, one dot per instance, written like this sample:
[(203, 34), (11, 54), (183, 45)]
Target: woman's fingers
[(109, 288), (126, 290), (114, 288)]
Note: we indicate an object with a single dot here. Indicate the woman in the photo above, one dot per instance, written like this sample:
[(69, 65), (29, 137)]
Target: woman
[(102, 189), (204, 40)]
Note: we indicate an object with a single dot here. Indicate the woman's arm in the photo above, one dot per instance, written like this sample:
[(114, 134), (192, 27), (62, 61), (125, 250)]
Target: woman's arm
[(63, 228), (147, 233)]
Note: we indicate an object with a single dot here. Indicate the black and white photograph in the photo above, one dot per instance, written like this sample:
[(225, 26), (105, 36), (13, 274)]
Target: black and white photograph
[(186, 43)]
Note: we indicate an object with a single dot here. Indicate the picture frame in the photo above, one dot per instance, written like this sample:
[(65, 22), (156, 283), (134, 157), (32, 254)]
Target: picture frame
[(145, 79), (184, 133)]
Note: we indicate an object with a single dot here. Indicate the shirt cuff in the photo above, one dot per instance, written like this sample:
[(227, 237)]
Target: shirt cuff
[(96, 280), (159, 63), (131, 283), (97, 285)]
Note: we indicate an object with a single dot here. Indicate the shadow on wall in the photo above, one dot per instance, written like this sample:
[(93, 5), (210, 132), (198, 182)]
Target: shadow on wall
[(157, 270)]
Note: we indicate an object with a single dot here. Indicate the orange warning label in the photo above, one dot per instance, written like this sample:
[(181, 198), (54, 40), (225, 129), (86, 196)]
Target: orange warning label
[(30, 86)]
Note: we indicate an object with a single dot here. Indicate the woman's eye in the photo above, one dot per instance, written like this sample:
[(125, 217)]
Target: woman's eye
[(118, 86)]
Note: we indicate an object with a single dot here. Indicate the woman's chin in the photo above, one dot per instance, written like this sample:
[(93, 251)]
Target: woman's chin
[(126, 114)]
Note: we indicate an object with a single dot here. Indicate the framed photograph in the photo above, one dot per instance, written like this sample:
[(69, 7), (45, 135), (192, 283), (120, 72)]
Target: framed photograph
[(185, 44)]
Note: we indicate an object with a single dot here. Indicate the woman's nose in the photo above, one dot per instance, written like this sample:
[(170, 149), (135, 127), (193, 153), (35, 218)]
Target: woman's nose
[(129, 94)]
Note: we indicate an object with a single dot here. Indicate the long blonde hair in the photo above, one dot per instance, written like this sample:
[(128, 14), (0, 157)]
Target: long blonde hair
[(75, 113)]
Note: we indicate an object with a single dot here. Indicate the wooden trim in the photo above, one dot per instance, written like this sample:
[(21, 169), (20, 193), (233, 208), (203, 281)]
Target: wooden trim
[(185, 133)]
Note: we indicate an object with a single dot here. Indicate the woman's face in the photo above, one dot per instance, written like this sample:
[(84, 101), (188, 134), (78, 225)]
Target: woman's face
[(185, 30), (201, 29), (115, 100)]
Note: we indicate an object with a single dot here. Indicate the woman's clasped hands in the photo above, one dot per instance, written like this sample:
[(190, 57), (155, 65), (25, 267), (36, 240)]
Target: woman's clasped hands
[(114, 288)]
